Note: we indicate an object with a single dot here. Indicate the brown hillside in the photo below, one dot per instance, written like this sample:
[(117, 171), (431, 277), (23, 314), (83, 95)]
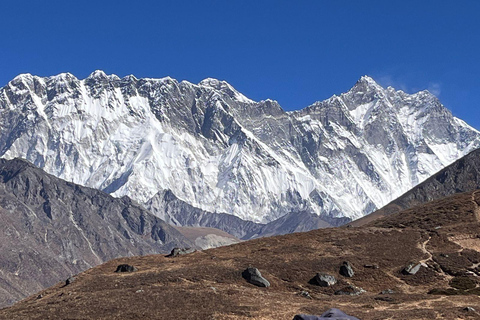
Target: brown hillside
[(443, 234)]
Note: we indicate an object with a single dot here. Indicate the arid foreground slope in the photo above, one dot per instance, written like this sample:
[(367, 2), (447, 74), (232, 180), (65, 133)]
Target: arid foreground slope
[(443, 234)]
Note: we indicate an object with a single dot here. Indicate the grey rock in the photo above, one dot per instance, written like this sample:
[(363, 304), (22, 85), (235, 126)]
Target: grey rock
[(125, 268), (346, 269), (330, 314), (305, 294), (324, 280), (253, 276), (180, 252), (412, 268), (350, 290), (469, 309), (70, 280), (387, 291)]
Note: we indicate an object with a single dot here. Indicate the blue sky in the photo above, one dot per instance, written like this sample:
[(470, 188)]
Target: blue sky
[(296, 52)]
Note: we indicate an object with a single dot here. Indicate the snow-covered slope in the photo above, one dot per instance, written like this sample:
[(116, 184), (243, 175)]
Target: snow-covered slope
[(219, 151)]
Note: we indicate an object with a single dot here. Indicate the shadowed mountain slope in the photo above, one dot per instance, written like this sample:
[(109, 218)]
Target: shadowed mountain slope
[(52, 229), (441, 235)]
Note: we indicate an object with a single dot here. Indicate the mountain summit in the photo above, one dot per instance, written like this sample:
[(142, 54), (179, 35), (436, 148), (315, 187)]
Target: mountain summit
[(221, 152)]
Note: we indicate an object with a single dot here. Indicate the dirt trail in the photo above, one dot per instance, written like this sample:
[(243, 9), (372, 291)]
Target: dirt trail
[(423, 247)]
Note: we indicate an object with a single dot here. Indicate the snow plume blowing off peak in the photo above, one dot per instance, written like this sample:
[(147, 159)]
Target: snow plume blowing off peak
[(221, 152)]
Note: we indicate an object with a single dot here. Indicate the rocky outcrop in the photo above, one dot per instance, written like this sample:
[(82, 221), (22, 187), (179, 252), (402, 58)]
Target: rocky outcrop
[(253, 276), (412, 268), (324, 280), (346, 269), (125, 268), (330, 314), (180, 252)]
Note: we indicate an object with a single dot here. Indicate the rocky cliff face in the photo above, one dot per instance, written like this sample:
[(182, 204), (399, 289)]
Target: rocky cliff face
[(220, 152), (52, 229)]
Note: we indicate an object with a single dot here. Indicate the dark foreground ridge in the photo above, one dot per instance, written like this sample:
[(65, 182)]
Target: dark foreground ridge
[(52, 229), (421, 263)]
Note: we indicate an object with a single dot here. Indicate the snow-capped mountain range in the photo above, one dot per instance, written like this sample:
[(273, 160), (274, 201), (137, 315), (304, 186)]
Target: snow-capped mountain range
[(218, 151)]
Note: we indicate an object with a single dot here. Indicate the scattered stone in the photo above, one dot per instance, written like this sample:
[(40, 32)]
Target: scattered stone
[(388, 291), (324, 280), (349, 290), (386, 299), (412, 268), (330, 314), (444, 255), (125, 268), (70, 280), (139, 291), (40, 296), (214, 289), (469, 309), (346, 269), (180, 251), (253, 276), (371, 266), (305, 294)]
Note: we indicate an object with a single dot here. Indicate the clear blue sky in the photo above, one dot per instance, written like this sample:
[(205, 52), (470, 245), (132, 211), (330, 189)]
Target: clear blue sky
[(296, 52)]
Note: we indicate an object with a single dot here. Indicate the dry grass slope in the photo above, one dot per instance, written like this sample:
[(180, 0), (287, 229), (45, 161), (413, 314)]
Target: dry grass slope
[(443, 234)]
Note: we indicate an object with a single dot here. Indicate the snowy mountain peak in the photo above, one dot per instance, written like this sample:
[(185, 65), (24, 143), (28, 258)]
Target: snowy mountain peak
[(367, 79), (222, 152), (97, 74), (129, 78), (366, 84), (21, 77), (224, 87)]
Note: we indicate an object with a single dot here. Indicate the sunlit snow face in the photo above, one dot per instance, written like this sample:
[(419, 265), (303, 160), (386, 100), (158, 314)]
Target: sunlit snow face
[(222, 152)]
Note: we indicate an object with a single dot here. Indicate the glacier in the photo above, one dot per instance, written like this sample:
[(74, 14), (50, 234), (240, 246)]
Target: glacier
[(221, 152)]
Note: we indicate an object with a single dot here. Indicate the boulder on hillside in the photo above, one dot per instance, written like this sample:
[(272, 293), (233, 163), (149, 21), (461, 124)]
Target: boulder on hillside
[(387, 291), (323, 280), (70, 280), (125, 268), (330, 314), (180, 251), (412, 268), (253, 276), (346, 269), (349, 290)]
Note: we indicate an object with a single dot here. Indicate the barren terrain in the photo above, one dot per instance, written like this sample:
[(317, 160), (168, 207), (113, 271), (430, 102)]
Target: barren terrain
[(443, 235)]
